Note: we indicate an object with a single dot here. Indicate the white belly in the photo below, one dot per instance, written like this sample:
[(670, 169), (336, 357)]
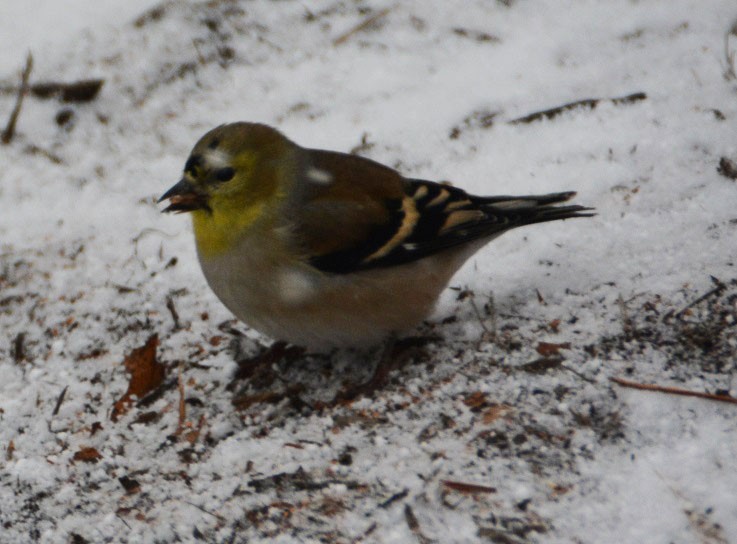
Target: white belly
[(295, 303)]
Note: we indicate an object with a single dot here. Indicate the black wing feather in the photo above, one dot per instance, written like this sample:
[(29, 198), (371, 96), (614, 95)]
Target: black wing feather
[(442, 217)]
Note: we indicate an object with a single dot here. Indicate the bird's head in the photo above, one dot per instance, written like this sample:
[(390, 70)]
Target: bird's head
[(231, 168), (236, 175)]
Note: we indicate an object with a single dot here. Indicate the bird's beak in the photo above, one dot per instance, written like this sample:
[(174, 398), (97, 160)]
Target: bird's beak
[(184, 197)]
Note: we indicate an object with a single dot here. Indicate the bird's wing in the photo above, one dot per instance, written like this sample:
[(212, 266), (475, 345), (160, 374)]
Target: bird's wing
[(358, 214)]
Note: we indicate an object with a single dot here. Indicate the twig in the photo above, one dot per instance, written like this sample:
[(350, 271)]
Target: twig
[(367, 532), (394, 498), (478, 315), (414, 525), (19, 352), (213, 514), (711, 533), (9, 451), (540, 297), (361, 26), (36, 150), (9, 131), (182, 403), (673, 390), (589, 103), (173, 311), (577, 373), (463, 487), (59, 401), (627, 326), (719, 287), (729, 73)]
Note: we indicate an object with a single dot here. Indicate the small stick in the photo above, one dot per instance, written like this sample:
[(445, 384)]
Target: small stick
[(463, 487), (730, 74), (213, 514), (414, 525), (589, 103), (9, 131), (360, 26), (173, 311), (36, 150), (19, 352), (627, 326), (59, 401), (717, 290), (673, 390), (367, 532), (9, 451), (478, 314), (394, 498), (182, 403)]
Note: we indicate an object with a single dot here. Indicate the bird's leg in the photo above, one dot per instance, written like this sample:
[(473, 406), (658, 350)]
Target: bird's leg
[(393, 355), (259, 368), (261, 372)]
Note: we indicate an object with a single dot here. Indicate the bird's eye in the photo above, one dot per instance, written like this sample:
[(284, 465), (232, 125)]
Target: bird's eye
[(224, 174)]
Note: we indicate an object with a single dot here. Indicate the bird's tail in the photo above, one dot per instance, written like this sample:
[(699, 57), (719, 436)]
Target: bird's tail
[(526, 210)]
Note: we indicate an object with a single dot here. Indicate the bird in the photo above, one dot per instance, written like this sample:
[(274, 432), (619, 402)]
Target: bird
[(323, 249)]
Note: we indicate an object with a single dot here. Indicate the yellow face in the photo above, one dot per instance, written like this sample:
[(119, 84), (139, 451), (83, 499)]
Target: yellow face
[(231, 174)]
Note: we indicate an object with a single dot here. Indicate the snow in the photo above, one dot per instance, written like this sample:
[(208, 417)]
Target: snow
[(87, 265)]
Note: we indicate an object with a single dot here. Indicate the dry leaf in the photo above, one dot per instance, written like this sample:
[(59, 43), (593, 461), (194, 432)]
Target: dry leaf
[(559, 489), (87, 455), (546, 349), (130, 485), (495, 412), (475, 400), (146, 375), (77, 91), (193, 434)]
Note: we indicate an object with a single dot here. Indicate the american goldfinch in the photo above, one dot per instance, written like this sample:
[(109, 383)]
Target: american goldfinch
[(324, 249)]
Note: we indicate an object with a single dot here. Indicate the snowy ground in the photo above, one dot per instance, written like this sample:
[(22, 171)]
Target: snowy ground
[(506, 427)]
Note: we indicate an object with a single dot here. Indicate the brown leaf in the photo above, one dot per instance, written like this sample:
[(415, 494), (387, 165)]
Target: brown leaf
[(130, 485), (559, 489), (87, 455), (96, 426), (77, 91), (146, 375), (546, 349), (727, 168), (192, 435), (475, 400), (495, 412)]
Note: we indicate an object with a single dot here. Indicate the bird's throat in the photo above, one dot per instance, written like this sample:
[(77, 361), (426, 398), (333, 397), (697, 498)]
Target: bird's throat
[(219, 231)]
